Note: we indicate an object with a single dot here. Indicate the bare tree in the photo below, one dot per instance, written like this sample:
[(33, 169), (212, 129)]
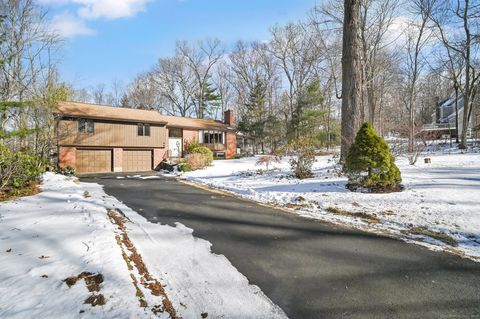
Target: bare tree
[(28, 65), (27, 49), (99, 93), (175, 81), (459, 32), (377, 17), (201, 58), (417, 35), (221, 80), (80, 95), (141, 93), (117, 91), (292, 46), (376, 20)]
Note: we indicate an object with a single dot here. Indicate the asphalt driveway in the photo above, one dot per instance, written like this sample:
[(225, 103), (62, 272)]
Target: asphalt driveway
[(311, 269)]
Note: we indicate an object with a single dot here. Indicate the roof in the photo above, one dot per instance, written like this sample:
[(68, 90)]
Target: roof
[(188, 122), (108, 112), (133, 115)]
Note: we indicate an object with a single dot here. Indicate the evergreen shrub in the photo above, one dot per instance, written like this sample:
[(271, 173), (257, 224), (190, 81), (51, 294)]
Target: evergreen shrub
[(370, 165)]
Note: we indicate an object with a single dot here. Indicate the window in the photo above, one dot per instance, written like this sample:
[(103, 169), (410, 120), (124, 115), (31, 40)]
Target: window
[(175, 132), (143, 129), (89, 126), (213, 137), (85, 126)]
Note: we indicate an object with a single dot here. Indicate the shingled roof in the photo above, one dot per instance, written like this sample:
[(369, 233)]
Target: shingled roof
[(86, 110)]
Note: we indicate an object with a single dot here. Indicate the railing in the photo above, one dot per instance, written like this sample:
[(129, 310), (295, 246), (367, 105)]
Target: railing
[(215, 147), (437, 126)]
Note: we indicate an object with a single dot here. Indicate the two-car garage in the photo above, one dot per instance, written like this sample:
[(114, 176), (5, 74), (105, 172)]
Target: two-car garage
[(101, 160)]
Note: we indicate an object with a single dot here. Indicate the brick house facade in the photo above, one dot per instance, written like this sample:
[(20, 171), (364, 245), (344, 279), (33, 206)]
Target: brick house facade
[(97, 138)]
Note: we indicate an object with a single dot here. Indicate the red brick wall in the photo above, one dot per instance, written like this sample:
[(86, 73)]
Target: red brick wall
[(117, 159), (228, 118), (189, 136), (231, 145), (166, 142), (67, 156), (159, 154)]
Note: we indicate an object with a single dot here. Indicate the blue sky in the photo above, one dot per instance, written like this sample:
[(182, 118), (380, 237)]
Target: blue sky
[(108, 39)]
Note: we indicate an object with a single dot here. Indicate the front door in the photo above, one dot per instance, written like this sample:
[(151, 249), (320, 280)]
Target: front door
[(175, 147)]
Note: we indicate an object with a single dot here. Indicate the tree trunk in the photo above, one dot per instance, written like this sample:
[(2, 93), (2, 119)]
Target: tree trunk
[(352, 84), (468, 81), (372, 104), (411, 129), (456, 112), (463, 138)]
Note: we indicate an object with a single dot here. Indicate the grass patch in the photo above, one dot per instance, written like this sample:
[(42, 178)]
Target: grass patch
[(363, 216), (95, 300), (134, 259), (449, 240), (387, 212)]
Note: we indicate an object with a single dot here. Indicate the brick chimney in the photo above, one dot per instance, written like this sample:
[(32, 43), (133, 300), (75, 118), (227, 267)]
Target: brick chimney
[(228, 118)]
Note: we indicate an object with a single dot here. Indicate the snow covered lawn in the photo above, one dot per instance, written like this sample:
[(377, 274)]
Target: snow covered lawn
[(117, 264), (439, 208)]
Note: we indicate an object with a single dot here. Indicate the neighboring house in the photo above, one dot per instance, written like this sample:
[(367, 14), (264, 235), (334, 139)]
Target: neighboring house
[(444, 118), (98, 138)]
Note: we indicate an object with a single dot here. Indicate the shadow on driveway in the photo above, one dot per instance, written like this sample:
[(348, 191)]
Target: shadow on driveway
[(309, 268)]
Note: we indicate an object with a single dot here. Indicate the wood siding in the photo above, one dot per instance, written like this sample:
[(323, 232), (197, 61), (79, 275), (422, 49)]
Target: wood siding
[(111, 134)]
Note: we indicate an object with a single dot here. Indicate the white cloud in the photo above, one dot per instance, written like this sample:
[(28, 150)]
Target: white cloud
[(68, 25), (109, 9)]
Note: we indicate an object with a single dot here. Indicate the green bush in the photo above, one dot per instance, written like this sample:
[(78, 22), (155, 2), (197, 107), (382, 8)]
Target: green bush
[(184, 167), (18, 169), (370, 165), (196, 148)]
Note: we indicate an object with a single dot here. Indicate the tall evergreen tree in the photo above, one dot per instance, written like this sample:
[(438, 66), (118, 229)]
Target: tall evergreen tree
[(254, 121), (210, 102), (309, 118)]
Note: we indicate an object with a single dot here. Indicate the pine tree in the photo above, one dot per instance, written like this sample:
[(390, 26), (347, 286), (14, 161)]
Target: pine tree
[(307, 115), (369, 163), (211, 101), (254, 120), (11, 108)]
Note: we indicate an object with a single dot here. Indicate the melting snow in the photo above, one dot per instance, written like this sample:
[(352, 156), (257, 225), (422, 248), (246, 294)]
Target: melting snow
[(443, 196), (60, 233)]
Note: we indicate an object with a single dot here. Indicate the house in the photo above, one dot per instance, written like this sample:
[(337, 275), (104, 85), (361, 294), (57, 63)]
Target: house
[(99, 138), (444, 118)]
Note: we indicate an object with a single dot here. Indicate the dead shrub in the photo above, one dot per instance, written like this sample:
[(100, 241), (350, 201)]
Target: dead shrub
[(196, 161), (267, 160)]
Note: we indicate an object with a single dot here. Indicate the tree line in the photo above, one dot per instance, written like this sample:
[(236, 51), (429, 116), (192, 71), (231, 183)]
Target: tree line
[(387, 62), (399, 58)]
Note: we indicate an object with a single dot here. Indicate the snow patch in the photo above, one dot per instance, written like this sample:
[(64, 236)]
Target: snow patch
[(60, 233), (442, 196)]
